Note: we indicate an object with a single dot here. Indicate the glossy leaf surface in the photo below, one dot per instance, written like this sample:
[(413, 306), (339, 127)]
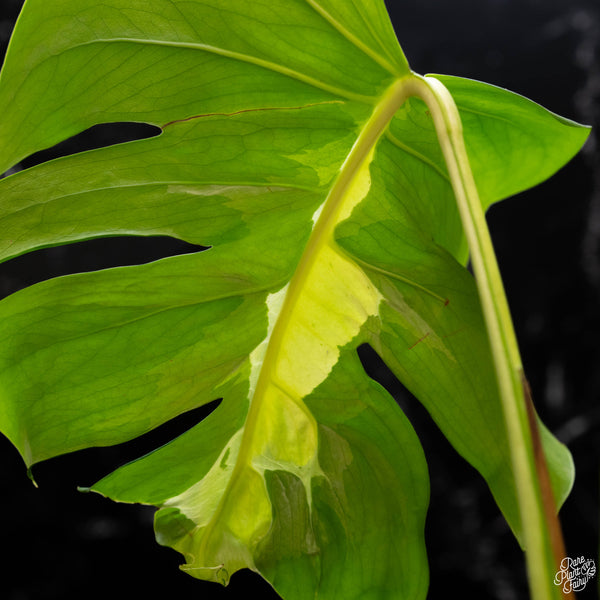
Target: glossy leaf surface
[(325, 233)]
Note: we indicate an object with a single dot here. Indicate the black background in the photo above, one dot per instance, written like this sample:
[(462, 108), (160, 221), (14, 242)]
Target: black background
[(62, 544)]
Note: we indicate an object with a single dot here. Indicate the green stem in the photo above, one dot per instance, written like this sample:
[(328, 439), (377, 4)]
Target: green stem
[(541, 533)]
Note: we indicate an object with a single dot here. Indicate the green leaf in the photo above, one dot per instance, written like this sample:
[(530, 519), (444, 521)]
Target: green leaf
[(287, 145)]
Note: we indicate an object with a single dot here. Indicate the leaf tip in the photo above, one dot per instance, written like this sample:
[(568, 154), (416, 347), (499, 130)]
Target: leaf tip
[(31, 477)]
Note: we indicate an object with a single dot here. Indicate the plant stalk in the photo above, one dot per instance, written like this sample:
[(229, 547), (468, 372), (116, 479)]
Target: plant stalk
[(542, 536)]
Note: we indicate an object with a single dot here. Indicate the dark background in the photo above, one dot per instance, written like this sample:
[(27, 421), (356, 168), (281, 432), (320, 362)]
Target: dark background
[(62, 544)]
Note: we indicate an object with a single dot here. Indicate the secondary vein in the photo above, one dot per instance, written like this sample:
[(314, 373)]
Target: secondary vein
[(260, 62)]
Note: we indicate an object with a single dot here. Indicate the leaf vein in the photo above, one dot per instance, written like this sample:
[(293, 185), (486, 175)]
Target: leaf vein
[(380, 60), (247, 58)]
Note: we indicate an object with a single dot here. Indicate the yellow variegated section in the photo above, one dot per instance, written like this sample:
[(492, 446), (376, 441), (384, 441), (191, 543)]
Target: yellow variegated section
[(194, 502), (324, 307), (336, 300)]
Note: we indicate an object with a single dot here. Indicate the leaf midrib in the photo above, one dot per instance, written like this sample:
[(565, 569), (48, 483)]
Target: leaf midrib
[(322, 235)]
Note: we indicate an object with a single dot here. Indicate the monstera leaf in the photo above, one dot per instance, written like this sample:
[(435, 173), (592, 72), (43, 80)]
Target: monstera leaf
[(292, 145)]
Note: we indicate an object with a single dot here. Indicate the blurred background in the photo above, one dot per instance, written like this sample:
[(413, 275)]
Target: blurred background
[(62, 544)]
